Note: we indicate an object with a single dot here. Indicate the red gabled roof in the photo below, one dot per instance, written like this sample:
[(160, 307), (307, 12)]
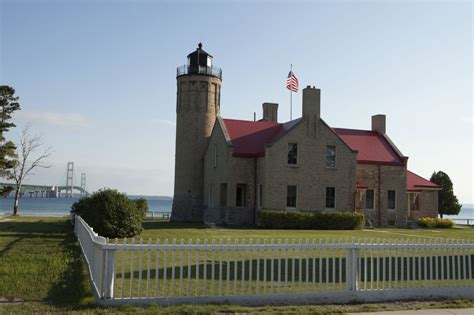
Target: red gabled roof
[(417, 183), (249, 137), (372, 147)]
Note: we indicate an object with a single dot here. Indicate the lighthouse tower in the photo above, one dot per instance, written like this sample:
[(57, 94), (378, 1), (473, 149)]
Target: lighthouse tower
[(197, 106)]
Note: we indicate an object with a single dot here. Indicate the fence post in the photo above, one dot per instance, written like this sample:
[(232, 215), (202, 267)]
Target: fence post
[(352, 268), (109, 273)]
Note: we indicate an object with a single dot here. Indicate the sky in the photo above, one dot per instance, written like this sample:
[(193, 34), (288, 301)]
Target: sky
[(97, 78)]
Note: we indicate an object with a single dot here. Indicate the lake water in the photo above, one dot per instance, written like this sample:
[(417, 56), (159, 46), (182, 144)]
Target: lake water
[(62, 206)]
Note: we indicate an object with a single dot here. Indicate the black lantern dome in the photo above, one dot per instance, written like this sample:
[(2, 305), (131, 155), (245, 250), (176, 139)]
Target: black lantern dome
[(199, 62)]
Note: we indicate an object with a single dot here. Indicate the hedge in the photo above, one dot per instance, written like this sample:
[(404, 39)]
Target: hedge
[(435, 223), (275, 219), (111, 213)]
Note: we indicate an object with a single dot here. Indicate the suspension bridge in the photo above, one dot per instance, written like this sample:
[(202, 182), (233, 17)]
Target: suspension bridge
[(54, 191)]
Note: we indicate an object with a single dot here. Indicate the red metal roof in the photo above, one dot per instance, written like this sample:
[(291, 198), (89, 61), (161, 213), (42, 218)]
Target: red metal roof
[(249, 137), (361, 185), (372, 147), (417, 183)]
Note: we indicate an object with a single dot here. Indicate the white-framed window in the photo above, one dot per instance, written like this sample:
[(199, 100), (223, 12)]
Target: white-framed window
[(330, 197), (391, 199), (369, 199), (291, 196), (331, 156), (241, 195), (292, 154), (215, 155)]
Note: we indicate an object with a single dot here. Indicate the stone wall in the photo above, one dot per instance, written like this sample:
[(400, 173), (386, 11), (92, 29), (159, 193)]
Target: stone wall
[(231, 171), (391, 178), (428, 203), (310, 175), (197, 105)]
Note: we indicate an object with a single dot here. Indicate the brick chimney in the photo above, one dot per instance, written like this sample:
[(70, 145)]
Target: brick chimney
[(270, 112), (311, 103), (378, 123)]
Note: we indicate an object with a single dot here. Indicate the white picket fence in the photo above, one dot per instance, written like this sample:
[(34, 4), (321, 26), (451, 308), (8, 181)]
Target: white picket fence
[(260, 272)]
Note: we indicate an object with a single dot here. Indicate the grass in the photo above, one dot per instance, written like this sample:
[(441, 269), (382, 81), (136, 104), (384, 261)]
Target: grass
[(165, 230), (205, 269), (41, 269)]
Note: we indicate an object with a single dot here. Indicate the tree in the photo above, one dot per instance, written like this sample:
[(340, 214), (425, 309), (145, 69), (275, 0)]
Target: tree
[(8, 105), (28, 161), (447, 202)]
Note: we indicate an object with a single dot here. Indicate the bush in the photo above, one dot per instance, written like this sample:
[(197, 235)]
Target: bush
[(435, 223), (271, 219), (111, 214)]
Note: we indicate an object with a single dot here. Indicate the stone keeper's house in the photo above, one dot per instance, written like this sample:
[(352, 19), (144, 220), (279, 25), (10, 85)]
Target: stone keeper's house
[(227, 169)]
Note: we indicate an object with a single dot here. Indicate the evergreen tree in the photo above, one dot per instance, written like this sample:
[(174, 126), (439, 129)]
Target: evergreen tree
[(8, 105), (447, 202)]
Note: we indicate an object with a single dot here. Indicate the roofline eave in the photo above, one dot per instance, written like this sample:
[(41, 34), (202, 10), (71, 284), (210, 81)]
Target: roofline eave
[(395, 148), (225, 132), (269, 144), (338, 136)]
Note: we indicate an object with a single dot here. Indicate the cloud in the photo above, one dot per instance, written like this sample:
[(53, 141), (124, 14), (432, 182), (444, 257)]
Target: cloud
[(57, 119), (163, 122), (468, 119)]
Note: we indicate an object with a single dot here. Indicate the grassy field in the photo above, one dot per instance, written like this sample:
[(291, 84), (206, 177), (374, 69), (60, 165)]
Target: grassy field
[(178, 231), (240, 275), (41, 269)]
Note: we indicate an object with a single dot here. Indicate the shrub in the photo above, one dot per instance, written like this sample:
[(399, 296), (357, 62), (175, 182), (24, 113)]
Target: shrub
[(111, 214), (271, 219), (435, 223)]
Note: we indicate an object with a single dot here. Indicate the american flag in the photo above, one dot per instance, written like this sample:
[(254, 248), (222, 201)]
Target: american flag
[(292, 82)]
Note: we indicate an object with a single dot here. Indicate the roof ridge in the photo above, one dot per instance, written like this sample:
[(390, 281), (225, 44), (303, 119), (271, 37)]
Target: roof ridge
[(354, 129), (253, 121)]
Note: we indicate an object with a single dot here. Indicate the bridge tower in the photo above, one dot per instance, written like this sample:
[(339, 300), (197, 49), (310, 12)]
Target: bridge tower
[(70, 179), (197, 107), (83, 184)]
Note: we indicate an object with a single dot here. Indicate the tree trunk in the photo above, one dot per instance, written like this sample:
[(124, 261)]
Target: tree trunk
[(16, 202), (441, 215)]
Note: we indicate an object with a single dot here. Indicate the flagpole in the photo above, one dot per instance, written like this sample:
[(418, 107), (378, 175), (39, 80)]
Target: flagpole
[(291, 96)]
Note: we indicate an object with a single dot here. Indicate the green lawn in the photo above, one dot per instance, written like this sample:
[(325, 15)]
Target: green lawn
[(41, 269), (186, 231), (201, 266)]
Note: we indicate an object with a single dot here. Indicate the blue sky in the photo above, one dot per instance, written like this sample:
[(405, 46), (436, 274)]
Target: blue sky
[(98, 77)]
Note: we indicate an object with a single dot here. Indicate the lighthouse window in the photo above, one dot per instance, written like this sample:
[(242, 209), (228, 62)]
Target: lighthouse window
[(209, 61)]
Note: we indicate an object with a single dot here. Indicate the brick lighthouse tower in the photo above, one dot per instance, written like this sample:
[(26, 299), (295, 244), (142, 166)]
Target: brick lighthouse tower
[(197, 106)]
